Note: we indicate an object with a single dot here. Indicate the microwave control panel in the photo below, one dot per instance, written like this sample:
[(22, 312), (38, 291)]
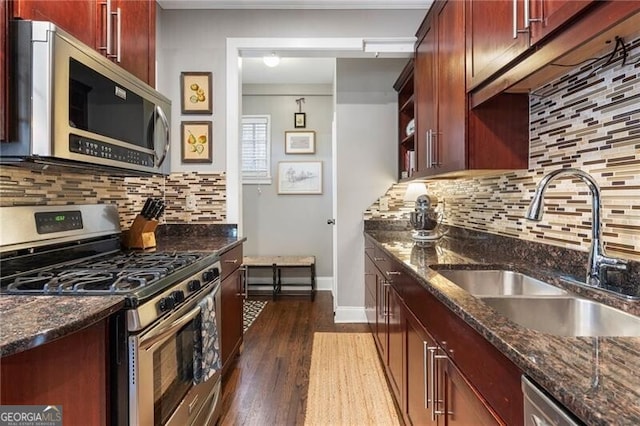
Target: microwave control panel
[(100, 149)]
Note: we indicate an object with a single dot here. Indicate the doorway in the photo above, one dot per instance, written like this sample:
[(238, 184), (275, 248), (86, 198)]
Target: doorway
[(375, 161)]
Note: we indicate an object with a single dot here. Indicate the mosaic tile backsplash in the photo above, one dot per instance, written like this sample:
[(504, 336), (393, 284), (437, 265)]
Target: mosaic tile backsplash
[(586, 119), (25, 187)]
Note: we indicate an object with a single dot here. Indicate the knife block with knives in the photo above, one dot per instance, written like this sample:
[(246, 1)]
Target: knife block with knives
[(141, 234)]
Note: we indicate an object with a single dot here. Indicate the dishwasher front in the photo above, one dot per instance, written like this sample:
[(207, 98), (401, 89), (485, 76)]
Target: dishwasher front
[(541, 410)]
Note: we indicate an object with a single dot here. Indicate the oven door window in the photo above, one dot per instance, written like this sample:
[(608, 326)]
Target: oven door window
[(172, 373)]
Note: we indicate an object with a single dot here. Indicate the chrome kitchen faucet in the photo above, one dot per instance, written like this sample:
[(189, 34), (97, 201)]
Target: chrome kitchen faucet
[(598, 261)]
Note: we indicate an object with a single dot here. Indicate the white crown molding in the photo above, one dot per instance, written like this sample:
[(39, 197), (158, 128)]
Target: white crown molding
[(295, 4)]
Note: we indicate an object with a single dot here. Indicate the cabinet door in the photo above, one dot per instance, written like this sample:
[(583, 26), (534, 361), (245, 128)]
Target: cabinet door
[(449, 142), (75, 17), (548, 15), (425, 94), (71, 371), (396, 343), (492, 35), (382, 311), (231, 317), (464, 406), (419, 396), (136, 40), (370, 292)]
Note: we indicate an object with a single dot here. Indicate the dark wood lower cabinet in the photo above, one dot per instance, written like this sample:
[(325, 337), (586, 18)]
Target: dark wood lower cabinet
[(442, 372), (419, 409), (464, 405), (71, 372), (231, 298), (396, 335)]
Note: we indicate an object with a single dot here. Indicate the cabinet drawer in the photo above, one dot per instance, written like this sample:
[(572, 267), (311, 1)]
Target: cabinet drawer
[(231, 260)]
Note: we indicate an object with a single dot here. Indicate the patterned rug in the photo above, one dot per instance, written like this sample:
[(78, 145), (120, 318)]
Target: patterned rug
[(251, 310)]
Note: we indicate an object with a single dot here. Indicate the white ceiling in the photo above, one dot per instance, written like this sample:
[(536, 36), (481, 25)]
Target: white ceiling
[(295, 4)]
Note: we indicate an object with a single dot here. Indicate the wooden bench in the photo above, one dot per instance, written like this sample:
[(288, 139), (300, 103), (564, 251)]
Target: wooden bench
[(277, 263)]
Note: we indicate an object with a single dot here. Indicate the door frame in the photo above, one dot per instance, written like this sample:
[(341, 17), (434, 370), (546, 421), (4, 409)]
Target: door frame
[(308, 47)]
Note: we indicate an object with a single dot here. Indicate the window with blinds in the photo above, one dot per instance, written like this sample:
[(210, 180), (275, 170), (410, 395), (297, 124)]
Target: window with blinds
[(256, 149)]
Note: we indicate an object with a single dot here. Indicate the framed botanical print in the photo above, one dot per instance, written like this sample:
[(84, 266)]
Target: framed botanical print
[(196, 93)]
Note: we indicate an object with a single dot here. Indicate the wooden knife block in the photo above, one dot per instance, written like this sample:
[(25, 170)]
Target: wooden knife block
[(142, 234)]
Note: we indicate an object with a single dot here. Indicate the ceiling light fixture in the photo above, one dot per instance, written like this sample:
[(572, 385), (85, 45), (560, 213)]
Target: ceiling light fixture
[(272, 60)]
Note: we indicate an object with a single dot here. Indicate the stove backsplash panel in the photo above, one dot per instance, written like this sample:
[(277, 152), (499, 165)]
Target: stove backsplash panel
[(28, 187), (590, 123)]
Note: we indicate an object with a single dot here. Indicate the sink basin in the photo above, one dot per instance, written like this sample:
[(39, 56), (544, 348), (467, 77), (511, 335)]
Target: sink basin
[(566, 316), (499, 283)]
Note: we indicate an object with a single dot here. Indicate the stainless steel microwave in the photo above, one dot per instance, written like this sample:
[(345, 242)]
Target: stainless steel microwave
[(72, 107)]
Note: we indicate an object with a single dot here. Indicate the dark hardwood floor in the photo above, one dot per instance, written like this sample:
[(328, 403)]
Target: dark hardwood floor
[(268, 384)]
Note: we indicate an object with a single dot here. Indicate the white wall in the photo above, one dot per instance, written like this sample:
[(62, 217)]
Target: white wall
[(291, 224), (367, 155)]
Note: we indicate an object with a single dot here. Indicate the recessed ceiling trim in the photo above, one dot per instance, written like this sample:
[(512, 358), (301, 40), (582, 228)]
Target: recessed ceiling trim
[(295, 4)]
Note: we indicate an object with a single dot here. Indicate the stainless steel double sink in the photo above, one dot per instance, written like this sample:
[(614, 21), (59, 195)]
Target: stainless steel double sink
[(540, 306)]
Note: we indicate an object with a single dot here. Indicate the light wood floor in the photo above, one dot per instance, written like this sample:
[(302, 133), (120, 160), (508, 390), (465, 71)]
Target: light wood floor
[(268, 385)]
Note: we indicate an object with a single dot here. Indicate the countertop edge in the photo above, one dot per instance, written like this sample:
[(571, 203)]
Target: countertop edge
[(47, 336)]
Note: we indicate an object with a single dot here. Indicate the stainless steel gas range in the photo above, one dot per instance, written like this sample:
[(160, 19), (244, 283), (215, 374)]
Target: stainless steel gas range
[(163, 368)]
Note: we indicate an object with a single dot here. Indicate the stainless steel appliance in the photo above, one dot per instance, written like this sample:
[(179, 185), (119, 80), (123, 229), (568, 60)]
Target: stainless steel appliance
[(425, 219), (75, 251), (71, 106), (541, 410)]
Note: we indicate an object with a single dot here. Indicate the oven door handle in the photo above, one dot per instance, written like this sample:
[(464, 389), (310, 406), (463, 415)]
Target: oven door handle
[(150, 340)]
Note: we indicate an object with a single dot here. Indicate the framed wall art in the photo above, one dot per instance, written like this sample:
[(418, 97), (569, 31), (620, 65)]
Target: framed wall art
[(196, 93), (299, 120), (196, 142), (299, 142), (300, 177)]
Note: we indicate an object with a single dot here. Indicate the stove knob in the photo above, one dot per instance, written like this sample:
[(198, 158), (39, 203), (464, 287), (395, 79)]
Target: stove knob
[(178, 296), (211, 274), (194, 285), (166, 304)]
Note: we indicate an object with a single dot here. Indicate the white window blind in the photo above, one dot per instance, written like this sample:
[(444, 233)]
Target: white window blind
[(256, 149)]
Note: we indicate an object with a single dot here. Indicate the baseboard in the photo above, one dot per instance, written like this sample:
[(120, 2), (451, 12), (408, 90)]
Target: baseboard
[(351, 314)]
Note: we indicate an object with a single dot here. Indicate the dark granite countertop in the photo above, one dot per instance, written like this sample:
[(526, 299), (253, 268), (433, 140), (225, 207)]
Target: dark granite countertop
[(30, 321), (594, 377)]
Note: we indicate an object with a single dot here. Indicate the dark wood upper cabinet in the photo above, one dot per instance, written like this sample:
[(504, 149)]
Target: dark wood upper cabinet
[(133, 31), (498, 31), (127, 27), (495, 37), (425, 90), (406, 112), (451, 138), (73, 16), (548, 15), (562, 32)]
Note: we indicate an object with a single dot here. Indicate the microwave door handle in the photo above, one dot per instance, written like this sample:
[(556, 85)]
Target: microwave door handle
[(148, 341), (165, 123)]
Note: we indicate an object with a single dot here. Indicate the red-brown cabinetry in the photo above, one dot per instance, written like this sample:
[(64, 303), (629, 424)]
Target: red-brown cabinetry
[(71, 372), (451, 137), (441, 381), (126, 27), (231, 297), (498, 31)]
